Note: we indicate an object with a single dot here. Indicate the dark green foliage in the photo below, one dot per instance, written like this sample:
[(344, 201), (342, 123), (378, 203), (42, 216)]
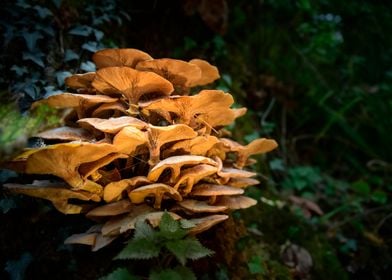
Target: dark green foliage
[(178, 273), (120, 274), (147, 243)]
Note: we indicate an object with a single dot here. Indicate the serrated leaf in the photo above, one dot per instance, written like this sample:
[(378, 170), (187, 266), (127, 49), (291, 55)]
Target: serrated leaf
[(188, 248), (142, 249), (170, 229), (120, 274), (143, 231)]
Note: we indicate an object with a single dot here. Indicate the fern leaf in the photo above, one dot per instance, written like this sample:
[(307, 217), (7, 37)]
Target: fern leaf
[(142, 248), (188, 248)]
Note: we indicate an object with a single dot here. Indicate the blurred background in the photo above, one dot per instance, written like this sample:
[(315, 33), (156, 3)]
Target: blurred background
[(314, 75)]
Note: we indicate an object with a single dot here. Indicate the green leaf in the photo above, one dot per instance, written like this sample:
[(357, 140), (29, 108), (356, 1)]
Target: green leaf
[(379, 197), (70, 55), (139, 249), (189, 248), (120, 274), (255, 265), (180, 273), (143, 231), (81, 30), (88, 66), (6, 204), (170, 229), (361, 187), (186, 224)]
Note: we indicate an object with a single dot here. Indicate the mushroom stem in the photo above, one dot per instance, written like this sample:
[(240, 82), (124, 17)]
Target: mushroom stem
[(212, 199)]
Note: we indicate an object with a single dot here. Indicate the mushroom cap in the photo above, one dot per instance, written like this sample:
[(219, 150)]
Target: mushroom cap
[(110, 209), (66, 133), (176, 71), (209, 73), (128, 139), (242, 182), (215, 190), (77, 81), (132, 84), (193, 175), (58, 194), (117, 108), (229, 172), (198, 145), (119, 57), (111, 125), (236, 202), (113, 190), (67, 100), (158, 190), (197, 206), (205, 223), (175, 163)]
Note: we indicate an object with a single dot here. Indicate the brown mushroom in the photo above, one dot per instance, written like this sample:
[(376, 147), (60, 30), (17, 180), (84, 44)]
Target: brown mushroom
[(258, 146), (157, 190), (132, 84), (107, 110), (212, 191), (92, 237), (113, 190), (179, 73), (193, 175), (128, 139), (242, 182), (160, 135), (198, 146), (236, 202), (174, 164), (58, 194), (196, 206), (205, 223), (110, 209), (78, 81), (209, 73), (111, 125), (119, 57), (66, 133)]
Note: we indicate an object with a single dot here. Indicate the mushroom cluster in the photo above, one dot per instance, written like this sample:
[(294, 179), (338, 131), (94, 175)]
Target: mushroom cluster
[(137, 141)]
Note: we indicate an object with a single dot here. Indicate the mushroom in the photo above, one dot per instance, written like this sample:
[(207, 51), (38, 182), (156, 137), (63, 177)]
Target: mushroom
[(92, 237), (110, 209), (132, 84), (160, 135), (193, 175), (258, 146), (213, 190), (196, 206), (128, 139), (242, 182), (56, 193), (205, 223), (198, 145), (180, 73), (209, 73), (236, 202), (78, 81), (63, 160), (107, 110), (111, 125), (66, 133), (209, 108), (119, 57), (113, 190), (174, 164), (157, 190)]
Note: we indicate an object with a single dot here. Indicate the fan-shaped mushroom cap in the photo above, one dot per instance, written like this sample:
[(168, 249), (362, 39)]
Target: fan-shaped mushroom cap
[(112, 125), (228, 172), (215, 190), (77, 81), (210, 108), (196, 206), (92, 237), (258, 146), (66, 133), (198, 146), (209, 73), (175, 163), (133, 84), (119, 57), (56, 193), (156, 190), (193, 175), (242, 182), (110, 209), (236, 202), (178, 72), (113, 191), (72, 100), (63, 160), (203, 224), (107, 110), (160, 135), (128, 139)]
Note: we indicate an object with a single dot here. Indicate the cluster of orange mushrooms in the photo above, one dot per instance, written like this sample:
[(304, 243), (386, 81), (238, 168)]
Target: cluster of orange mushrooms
[(137, 141)]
